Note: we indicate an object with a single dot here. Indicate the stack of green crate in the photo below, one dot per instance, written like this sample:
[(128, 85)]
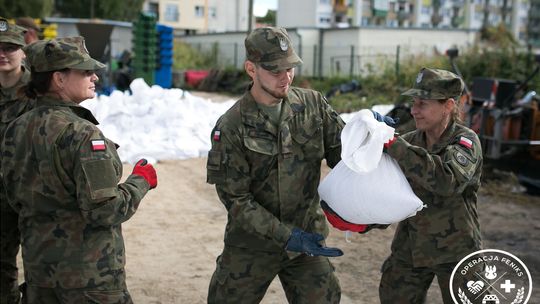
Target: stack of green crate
[(145, 47)]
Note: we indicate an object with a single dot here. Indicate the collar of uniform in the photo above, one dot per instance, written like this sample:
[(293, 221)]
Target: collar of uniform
[(75, 108), (26, 75), (444, 140), (253, 116)]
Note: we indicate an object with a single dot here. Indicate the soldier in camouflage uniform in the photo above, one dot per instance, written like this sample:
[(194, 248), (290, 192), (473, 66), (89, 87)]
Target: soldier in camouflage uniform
[(61, 175), (442, 159), (13, 75), (265, 162)]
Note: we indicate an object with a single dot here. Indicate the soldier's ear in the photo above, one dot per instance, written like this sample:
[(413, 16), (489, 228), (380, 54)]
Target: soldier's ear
[(58, 79), (250, 68), (450, 104)]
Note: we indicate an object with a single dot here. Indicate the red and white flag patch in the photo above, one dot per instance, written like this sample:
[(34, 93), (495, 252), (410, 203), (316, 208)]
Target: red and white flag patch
[(217, 135), (464, 141), (98, 145)]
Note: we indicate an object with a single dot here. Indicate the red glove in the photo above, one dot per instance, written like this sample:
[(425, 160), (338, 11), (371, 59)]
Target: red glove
[(340, 223), (390, 142), (147, 171)]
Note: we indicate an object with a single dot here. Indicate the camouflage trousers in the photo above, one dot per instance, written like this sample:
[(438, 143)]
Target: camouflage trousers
[(243, 275), (9, 247), (401, 283), (40, 295)]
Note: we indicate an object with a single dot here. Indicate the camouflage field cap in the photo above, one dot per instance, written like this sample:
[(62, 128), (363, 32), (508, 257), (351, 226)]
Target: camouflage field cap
[(60, 53), (271, 48), (11, 33), (436, 84)]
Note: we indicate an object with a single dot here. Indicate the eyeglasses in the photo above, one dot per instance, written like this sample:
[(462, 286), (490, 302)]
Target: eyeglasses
[(9, 48)]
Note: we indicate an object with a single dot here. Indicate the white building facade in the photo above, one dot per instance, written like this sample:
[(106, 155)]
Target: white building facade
[(459, 14)]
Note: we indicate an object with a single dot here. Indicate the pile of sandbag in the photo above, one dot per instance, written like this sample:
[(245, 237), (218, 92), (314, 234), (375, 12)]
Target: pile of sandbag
[(157, 123)]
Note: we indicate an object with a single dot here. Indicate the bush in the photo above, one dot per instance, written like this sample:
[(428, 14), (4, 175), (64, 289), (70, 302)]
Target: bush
[(186, 57)]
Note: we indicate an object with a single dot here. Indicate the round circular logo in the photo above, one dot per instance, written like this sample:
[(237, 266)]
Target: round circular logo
[(419, 77), (490, 276), (3, 26), (283, 44)]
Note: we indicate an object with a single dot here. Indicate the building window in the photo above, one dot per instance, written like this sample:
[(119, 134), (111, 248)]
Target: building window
[(324, 20), (199, 11), (154, 8), (171, 13), (212, 12), (324, 1), (479, 15), (391, 23), (365, 21), (426, 10)]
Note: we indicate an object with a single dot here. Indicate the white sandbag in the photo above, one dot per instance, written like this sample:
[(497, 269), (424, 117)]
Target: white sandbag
[(368, 186), (382, 196), (362, 140)]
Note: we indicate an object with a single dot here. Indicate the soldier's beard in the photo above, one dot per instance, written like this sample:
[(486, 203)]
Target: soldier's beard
[(278, 94)]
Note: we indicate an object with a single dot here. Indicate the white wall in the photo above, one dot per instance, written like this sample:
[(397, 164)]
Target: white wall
[(230, 46), (231, 16), (295, 13)]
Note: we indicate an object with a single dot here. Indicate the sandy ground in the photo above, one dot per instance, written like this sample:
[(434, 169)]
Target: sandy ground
[(177, 233), (173, 240)]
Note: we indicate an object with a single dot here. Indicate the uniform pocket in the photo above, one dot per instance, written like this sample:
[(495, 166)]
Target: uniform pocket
[(309, 136), (101, 177), (262, 145), (261, 155), (215, 170)]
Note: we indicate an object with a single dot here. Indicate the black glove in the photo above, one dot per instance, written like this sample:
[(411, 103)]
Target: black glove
[(386, 119), (374, 226), (308, 243)]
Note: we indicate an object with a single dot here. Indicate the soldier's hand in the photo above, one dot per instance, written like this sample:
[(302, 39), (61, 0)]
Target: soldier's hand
[(374, 226), (386, 119), (147, 171), (308, 243)]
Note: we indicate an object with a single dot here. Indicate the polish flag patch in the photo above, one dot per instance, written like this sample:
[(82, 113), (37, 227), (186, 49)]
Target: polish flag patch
[(98, 145), (464, 141), (217, 135)]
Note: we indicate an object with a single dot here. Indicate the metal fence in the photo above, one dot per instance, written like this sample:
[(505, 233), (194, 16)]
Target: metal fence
[(347, 61)]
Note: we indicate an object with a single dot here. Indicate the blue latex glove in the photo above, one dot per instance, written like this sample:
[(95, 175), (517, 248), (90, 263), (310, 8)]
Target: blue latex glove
[(386, 119), (308, 243)]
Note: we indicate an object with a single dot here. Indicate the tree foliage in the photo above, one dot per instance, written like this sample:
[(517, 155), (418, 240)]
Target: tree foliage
[(269, 18), (23, 8), (123, 10)]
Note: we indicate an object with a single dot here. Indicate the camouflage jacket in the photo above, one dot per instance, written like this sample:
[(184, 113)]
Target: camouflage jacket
[(61, 175), (267, 176), (11, 108), (446, 178)]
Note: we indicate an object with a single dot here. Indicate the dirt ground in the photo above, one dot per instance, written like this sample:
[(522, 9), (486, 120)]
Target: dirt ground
[(177, 233)]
